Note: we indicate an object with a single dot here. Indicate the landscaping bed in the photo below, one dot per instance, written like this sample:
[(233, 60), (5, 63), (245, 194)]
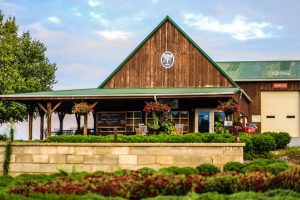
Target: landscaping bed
[(257, 176)]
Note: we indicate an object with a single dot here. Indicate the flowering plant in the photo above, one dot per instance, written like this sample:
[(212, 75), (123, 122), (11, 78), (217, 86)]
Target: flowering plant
[(228, 107), (156, 107), (82, 108)]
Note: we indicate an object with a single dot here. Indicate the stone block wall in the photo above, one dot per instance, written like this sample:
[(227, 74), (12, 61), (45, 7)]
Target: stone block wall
[(90, 157)]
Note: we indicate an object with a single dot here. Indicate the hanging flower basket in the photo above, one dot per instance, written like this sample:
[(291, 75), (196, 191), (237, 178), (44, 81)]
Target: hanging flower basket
[(228, 107), (82, 108), (156, 107)]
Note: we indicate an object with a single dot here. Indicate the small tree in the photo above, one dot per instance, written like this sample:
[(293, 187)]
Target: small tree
[(24, 67)]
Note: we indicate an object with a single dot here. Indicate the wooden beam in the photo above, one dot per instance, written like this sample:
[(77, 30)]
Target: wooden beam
[(30, 109), (78, 119), (85, 122), (49, 116), (42, 107), (42, 115), (61, 116), (56, 106)]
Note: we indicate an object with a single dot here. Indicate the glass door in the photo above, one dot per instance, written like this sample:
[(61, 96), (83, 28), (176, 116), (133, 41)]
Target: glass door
[(205, 119)]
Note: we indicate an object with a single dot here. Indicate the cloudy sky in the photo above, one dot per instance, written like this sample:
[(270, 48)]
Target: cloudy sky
[(89, 38)]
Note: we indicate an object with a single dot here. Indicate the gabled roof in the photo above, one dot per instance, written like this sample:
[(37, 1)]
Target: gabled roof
[(167, 18), (122, 92), (288, 70)]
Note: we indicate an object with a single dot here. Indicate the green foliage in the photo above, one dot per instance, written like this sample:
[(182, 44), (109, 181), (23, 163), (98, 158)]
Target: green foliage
[(146, 171), (8, 150), (24, 67), (263, 143), (161, 138), (233, 166), (269, 195), (208, 169), (219, 126), (177, 170), (3, 137), (282, 139), (276, 168)]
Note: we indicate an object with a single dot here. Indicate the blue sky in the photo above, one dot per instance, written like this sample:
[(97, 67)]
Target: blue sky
[(89, 38)]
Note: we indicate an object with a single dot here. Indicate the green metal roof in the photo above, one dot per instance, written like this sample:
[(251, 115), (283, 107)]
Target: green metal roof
[(98, 92), (167, 18), (262, 70)]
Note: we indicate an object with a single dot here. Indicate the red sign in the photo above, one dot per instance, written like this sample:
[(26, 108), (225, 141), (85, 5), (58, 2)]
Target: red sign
[(280, 86)]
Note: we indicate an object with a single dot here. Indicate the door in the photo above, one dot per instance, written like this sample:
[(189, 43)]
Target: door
[(205, 119), (280, 112)]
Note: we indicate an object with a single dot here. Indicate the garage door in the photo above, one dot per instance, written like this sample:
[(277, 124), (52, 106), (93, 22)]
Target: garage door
[(280, 112)]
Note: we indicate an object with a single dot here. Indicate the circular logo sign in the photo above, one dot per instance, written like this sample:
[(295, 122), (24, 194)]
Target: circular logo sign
[(167, 59)]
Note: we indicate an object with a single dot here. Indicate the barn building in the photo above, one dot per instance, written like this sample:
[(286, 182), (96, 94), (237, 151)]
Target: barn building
[(169, 66)]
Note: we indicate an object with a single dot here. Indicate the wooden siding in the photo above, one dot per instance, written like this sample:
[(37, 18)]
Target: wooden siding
[(190, 69), (254, 89)]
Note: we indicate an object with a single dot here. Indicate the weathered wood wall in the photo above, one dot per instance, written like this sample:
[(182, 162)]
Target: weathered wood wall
[(190, 69)]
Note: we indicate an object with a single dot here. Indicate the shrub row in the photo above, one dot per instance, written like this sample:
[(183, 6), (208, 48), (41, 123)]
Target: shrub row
[(162, 138), (135, 185), (269, 195), (274, 166)]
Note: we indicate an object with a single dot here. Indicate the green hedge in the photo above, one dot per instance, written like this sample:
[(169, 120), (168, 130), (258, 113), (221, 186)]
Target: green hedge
[(282, 139), (162, 138)]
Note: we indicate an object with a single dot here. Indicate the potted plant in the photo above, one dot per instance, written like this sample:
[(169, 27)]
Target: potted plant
[(82, 108), (160, 114), (228, 107)]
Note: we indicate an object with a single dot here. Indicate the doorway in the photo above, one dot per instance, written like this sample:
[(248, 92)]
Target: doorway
[(205, 119)]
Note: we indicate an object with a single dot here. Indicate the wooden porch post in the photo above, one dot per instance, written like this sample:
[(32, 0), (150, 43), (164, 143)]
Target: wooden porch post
[(95, 122), (61, 116), (42, 115), (85, 122), (49, 110), (49, 116), (30, 109), (78, 119)]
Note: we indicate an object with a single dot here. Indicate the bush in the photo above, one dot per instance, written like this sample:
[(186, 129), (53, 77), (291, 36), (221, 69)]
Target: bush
[(3, 137), (146, 171), (253, 167), (276, 168), (208, 169), (263, 143), (282, 139), (178, 170), (233, 166), (161, 138)]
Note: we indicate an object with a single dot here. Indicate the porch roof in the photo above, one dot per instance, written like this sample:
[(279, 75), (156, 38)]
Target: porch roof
[(102, 93)]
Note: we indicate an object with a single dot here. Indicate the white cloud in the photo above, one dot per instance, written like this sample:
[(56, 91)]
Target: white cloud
[(94, 3), (240, 28), (54, 20), (99, 18), (115, 35), (140, 16)]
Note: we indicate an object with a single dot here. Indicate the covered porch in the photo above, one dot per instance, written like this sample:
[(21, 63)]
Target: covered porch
[(123, 108)]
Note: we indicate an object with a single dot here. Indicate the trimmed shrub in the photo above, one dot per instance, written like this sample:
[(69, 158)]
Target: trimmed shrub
[(253, 167), (282, 139), (207, 169), (276, 168), (233, 166), (177, 170), (161, 138), (263, 143), (146, 171)]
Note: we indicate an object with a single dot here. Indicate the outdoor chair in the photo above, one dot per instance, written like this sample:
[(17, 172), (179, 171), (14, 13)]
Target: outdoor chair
[(179, 129), (138, 131)]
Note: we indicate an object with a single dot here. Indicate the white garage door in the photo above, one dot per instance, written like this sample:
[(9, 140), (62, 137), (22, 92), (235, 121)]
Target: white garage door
[(280, 112)]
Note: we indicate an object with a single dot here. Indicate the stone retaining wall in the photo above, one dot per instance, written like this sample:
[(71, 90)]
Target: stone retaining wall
[(49, 157)]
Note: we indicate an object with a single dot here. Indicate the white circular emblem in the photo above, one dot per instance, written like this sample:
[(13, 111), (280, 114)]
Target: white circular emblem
[(167, 59)]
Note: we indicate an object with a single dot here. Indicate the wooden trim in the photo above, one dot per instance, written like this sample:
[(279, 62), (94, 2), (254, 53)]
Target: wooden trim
[(42, 107), (56, 106)]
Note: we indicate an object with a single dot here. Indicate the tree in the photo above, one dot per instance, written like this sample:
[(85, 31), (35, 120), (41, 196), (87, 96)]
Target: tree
[(24, 67)]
